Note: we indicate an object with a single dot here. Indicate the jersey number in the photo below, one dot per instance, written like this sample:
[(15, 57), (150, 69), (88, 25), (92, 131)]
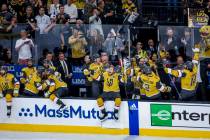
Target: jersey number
[(193, 80)]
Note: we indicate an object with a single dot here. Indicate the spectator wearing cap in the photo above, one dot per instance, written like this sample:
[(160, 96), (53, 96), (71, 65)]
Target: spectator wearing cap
[(54, 8), (24, 47), (42, 20), (71, 9)]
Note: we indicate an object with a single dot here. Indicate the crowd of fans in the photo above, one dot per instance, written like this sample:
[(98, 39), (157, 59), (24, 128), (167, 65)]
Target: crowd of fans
[(69, 33)]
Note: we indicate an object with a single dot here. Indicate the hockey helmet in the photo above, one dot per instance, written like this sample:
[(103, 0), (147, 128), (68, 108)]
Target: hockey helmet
[(189, 65), (147, 70)]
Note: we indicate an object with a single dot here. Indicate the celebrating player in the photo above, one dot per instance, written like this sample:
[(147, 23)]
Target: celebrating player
[(9, 87), (28, 72), (111, 91), (55, 88), (151, 84), (188, 77)]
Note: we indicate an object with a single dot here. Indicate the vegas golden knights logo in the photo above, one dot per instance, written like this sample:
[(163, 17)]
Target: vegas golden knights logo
[(109, 82)]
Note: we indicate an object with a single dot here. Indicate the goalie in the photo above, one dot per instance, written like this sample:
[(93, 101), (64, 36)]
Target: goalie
[(111, 91), (9, 87)]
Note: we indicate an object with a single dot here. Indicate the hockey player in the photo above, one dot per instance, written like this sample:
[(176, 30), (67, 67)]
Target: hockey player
[(188, 77), (93, 73), (111, 91), (55, 88), (151, 84), (28, 71), (33, 84), (9, 87)]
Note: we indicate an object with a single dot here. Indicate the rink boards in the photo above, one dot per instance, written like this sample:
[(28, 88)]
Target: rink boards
[(136, 118)]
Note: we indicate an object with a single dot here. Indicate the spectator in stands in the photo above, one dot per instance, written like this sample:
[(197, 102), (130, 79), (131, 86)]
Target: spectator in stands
[(35, 4), (42, 20), (140, 53), (71, 9), (54, 8), (207, 11), (5, 15), (170, 43), (41, 59), (64, 67), (95, 21), (49, 58), (24, 47), (100, 7), (51, 25), (62, 17), (12, 25), (77, 42), (80, 4), (88, 9), (109, 10), (151, 47), (95, 42), (31, 26), (186, 44), (29, 15), (129, 7)]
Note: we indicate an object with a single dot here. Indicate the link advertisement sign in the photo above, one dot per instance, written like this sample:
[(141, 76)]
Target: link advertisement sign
[(178, 115)]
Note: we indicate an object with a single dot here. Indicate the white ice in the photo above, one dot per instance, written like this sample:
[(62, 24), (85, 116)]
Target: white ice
[(6, 135)]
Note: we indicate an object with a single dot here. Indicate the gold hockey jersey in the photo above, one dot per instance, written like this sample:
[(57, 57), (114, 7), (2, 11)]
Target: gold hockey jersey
[(8, 82)]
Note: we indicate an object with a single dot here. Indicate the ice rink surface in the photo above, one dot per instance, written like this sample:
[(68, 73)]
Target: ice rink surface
[(5, 135)]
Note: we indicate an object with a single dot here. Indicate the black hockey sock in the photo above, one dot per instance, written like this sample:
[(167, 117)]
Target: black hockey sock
[(60, 103), (9, 107), (103, 111), (116, 110)]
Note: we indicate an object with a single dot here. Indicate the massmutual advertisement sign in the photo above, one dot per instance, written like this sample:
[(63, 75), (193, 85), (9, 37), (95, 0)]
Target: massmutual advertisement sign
[(79, 113), (177, 115)]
